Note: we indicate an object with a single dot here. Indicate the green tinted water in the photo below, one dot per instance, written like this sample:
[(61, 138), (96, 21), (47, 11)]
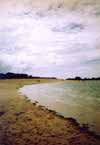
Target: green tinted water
[(77, 99)]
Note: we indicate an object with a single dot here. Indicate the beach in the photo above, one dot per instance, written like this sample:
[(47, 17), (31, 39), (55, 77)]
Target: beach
[(25, 123)]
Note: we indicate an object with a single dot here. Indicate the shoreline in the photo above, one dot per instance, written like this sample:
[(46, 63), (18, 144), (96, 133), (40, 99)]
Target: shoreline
[(23, 122), (47, 97), (83, 127)]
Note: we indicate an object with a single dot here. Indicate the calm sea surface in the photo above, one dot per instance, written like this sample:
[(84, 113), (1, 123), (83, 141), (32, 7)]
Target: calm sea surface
[(77, 99)]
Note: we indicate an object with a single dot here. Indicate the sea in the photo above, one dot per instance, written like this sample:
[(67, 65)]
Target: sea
[(76, 99)]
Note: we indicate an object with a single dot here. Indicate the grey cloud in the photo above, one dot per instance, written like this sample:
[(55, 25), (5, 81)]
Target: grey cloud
[(93, 61), (70, 28), (41, 14), (24, 13), (85, 3), (97, 13), (76, 26), (4, 67), (58, 6)]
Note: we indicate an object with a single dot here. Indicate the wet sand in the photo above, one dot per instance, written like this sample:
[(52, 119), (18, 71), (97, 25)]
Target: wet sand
[(25, 123)]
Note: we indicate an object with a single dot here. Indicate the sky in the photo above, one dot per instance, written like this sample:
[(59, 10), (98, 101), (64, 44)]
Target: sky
[(50, 37)]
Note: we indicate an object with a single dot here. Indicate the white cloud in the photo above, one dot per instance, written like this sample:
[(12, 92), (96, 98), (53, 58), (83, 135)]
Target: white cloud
[(59, 42)]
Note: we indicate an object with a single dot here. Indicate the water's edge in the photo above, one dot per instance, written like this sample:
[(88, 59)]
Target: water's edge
[(82, 127)]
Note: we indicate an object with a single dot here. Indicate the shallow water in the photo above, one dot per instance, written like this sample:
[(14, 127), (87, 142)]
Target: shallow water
[(77, 99)]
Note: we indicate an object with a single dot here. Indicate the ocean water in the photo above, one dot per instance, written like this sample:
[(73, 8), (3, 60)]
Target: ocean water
[(76, 99)]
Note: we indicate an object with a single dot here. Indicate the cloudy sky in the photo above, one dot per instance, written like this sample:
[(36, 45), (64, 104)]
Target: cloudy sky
[(50, 37)]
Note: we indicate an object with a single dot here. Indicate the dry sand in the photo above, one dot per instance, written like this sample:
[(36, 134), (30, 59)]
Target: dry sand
[(26, 123)]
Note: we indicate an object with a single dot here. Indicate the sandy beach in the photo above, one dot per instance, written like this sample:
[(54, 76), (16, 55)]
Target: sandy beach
[(25, 123)]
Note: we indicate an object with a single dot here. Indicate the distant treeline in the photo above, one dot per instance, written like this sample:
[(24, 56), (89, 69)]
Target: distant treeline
[(84, 79), (11, 75)]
